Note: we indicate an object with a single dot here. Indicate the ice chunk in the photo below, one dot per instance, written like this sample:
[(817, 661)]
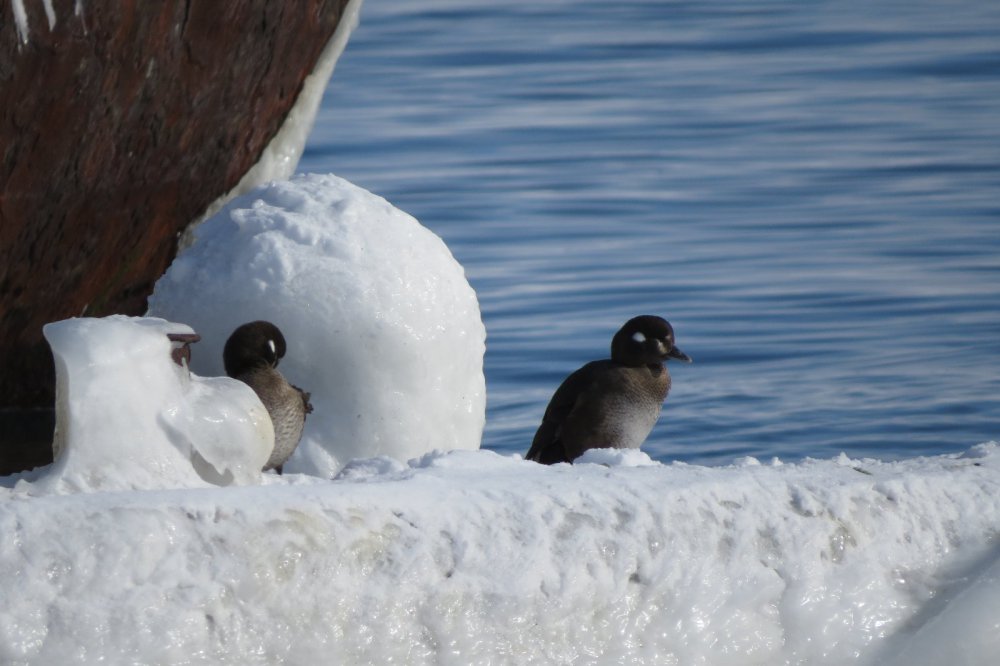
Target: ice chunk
[(128, 416)]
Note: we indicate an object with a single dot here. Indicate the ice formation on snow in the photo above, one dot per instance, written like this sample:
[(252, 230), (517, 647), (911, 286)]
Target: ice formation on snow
[(381, 324), (128, 417)]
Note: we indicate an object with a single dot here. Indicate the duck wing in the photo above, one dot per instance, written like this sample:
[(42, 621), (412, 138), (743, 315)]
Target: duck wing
[(548, 446), (305, 395)]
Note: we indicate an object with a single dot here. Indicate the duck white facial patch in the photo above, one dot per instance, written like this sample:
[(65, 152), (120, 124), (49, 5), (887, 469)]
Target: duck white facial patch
[(638, 336), (270, 343)]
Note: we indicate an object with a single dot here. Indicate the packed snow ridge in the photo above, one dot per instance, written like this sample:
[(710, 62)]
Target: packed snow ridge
[(472, 557), (155, 538)]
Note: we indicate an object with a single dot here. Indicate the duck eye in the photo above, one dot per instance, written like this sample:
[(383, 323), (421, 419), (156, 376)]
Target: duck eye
[(639, 337)]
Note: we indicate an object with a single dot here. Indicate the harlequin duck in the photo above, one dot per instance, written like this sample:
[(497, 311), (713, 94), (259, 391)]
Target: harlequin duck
[(251, 355), (613, 402)]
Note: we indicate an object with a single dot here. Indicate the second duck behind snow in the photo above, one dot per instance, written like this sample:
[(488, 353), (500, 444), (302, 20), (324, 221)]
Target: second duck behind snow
[(251, 355)]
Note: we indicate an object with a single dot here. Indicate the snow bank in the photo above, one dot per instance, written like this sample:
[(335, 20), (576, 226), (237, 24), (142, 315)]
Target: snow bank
[(382, 326), (128, 417), (470, 557)]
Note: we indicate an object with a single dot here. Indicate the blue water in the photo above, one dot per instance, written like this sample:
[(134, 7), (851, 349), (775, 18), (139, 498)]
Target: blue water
[(808, 191)]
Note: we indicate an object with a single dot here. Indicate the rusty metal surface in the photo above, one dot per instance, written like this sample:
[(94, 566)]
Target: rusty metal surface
[(118, 127)]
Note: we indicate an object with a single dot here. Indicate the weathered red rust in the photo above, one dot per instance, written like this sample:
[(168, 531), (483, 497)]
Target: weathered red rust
[(180, 350), (118, 128)]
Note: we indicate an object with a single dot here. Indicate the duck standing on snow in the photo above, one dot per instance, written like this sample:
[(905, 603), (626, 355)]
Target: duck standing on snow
[(251, 355), (613, 402)]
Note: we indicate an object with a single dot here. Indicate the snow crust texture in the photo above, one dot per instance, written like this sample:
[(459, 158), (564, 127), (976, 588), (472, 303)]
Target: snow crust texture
[(470, 557), (382, 326)]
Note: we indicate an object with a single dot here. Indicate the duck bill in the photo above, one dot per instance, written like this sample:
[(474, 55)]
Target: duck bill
[(678, 355)]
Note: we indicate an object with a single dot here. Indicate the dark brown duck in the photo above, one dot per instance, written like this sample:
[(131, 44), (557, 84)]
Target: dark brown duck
[(612, 403)]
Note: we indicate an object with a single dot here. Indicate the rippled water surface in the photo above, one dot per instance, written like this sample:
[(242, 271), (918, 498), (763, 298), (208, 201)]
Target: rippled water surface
[(809, 192)]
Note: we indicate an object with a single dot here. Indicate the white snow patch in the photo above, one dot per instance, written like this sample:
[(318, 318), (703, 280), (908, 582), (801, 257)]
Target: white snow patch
[(50, 14), (20, 19), (381, 324), (473, 557), (128, 417), (963, 630), (616, 458), (21, 16)]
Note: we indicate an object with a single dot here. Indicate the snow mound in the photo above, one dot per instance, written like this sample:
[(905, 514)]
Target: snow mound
[(615, 458), (472, 557), (128, 417), (382, 326)]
